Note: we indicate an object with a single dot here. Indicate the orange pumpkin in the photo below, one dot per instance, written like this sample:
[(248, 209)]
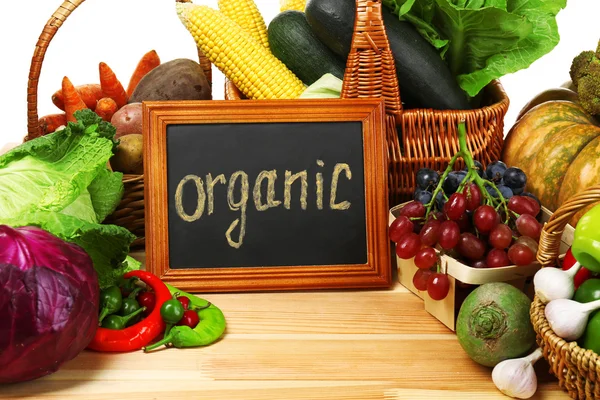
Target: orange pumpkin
[(557, 144)]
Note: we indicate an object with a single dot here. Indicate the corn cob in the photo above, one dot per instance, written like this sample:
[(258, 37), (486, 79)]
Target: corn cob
[(245, 13), (248, 64), (298, 5)]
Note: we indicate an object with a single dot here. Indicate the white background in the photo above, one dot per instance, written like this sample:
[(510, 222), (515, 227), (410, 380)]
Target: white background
[(119, 32)]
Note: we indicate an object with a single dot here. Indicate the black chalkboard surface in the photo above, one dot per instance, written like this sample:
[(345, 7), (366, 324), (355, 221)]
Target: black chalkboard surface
[(266, 195), (253, 213)]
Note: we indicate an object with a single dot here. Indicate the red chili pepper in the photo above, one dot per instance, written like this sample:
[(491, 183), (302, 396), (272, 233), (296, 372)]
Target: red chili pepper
[(138, 335)]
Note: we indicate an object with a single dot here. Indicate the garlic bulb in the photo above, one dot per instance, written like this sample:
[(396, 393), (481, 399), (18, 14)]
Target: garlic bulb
[(516, 378), (553, 283), (568, 318)]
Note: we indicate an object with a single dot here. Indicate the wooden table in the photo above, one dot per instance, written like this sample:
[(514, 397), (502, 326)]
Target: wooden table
[(294, 345)]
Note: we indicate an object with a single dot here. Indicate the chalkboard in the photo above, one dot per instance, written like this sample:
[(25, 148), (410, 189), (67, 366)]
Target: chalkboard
[(284, 197), (254, 214)]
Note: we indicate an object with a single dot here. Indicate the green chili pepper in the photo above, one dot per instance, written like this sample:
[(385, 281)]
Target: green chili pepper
[(211, 327), (110, 302), (118, 322), (171, 312)]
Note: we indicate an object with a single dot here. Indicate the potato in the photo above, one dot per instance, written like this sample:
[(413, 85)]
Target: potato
[(128, 120), (179, 79), (129, 155)]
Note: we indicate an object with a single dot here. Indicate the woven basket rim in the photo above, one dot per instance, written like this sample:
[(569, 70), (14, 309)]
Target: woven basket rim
[(495, 90)]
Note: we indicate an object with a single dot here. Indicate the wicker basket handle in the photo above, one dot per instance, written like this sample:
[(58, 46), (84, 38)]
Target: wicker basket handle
[(58, 18), (370, 69), (553, 229)]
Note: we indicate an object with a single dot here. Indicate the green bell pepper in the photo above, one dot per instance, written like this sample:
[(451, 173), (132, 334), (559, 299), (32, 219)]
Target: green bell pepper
[(586, 241), (591, 337), (588, 291)]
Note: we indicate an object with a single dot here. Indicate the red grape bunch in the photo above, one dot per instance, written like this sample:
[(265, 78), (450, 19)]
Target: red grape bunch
[(480, 216)]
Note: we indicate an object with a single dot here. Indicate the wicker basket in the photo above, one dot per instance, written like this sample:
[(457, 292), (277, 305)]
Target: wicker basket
[(577, 369), (130, 212), (416, 138)]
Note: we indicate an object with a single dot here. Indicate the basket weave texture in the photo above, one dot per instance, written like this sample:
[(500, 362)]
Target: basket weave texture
[(416, 138), (577, 369), (130, 212)]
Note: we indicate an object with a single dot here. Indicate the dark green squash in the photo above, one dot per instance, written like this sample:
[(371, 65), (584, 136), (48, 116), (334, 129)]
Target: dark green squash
[(293, 42)]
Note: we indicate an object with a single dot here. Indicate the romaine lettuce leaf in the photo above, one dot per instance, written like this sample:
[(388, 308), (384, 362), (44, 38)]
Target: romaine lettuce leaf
[(483, 40)]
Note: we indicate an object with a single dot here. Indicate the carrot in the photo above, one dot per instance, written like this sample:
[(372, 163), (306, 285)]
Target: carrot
[(105, 108), (147, 63), (49, 123), (90, 94), (73, 100), (111, 86)]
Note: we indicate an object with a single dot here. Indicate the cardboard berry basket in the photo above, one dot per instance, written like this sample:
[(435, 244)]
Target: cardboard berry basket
[(464, 278)]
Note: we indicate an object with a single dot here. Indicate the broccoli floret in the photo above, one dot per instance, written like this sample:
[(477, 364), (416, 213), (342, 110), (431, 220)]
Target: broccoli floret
[(579, 66), (585, 75)]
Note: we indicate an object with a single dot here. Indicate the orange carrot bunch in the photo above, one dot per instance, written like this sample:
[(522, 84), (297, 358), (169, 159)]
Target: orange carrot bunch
[(105, 98)]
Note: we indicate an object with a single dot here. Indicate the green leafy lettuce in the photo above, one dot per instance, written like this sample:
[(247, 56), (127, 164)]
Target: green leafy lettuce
[(482, 40), (60, 182)]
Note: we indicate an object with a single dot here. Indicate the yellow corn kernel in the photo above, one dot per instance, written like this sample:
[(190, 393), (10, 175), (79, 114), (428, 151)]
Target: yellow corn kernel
[(246, 14), (298, 5), (243, 60)]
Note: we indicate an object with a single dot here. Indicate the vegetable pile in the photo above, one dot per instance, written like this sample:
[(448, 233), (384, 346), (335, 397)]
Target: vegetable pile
[(572, 307), (572, 311), (48, 302), (152, 80), (60, 183), (134, 313), (481, 216), (445, 52)]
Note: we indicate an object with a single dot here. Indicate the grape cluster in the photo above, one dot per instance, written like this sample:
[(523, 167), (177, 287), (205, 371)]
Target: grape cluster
[(451, 214), (500, 180)]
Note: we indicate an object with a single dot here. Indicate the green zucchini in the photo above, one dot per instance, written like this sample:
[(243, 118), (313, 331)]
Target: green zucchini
[(425, 79), (293, 42)]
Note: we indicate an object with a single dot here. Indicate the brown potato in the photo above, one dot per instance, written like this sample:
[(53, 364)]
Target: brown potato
[(179, 79), (129, 155), (128, 120)]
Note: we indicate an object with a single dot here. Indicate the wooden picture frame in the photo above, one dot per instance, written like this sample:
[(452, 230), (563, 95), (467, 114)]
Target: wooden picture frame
[(375, 273)]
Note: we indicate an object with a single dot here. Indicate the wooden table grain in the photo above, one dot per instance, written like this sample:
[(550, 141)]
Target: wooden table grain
[(363, 344)]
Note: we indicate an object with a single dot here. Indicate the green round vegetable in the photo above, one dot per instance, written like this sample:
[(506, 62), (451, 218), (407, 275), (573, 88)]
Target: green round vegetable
[(493, 324)]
